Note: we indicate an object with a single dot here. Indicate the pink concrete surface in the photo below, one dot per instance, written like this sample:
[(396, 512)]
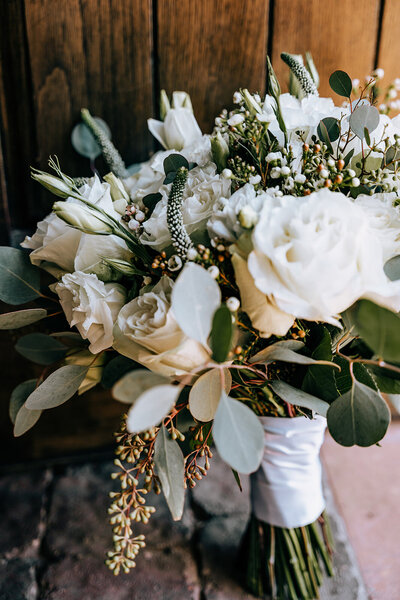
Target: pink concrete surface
[(366, 486)]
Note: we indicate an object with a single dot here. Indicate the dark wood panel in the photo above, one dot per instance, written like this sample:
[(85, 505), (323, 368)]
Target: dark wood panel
[(94, 53), (341, 34), (210, 49)]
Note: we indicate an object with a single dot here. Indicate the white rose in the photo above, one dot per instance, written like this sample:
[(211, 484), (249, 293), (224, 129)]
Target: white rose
[(204, 186), (147, 332), (55, 244), (179, 128), (315, 256), (384, 217), (92, 306)]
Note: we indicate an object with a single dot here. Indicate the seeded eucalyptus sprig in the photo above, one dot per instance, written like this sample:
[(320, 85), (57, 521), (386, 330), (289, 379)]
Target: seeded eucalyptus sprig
[(109, 151), (300, 72)]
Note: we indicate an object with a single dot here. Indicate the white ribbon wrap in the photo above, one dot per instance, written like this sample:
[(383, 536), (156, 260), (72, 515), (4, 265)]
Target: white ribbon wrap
[(286, 491)]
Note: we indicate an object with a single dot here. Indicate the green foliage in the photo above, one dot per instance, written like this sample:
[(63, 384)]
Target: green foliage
[(151, 405), (206, 392), (150, 201), (40, 348), (343, 377), (23, 418), (19, 279), (133, 384), (378, 327), (59, 387), (320, 381), (21, 318), (238, 435), (115, 369), (387, 381), (363, 118), (169, 463), (392, 268), (297, 397), (221, 333), (341, 83), (359, 417), (173, 162), (84, 142), (328, 131)]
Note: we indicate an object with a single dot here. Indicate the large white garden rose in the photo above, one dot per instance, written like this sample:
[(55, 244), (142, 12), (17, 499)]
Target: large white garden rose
[(92, 306), (147, 332), (384, 216), (204, 186), (59, 248), (316, 255)]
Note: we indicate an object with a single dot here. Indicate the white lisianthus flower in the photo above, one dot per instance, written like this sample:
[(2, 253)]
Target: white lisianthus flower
[(92, 306), (59, 248), (225, 222), (147, 332), (179, 128), (315, 256), (203, 187)]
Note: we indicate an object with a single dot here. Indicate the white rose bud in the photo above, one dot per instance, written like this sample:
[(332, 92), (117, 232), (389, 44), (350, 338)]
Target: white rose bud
[(248, 217), (81, 218)]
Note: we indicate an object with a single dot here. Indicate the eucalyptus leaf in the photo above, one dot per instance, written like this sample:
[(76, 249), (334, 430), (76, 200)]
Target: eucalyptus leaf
[(238, 435), (359, 417), (348, 157), (364, 117), (392, 268), (173, 162), (341, 83), (328, 129), (387, 381), (151, 407), (19, 279), (25, 420), (18, 397), (319, 380), (195, 298), (205, 393), (40, 348), (21, 318), (84, 142), (150, 201), (297, 397), (280, 353), (115, 369), (221, 333), (344, 380), (59, 387), (170, 467), (133, 384), (378, 327)]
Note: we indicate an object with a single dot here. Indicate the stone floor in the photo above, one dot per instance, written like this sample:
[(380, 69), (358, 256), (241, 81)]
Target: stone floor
[(54, 536)]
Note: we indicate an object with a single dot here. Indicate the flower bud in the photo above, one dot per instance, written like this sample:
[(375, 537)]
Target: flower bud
[(220, 151), (248, 217), (273, 87), (164, 104), (81, 218), (117, 189), (56, 185), (251, 104), (181, 100)]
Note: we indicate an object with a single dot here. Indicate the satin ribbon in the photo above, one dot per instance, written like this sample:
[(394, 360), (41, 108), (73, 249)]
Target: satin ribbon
[(286, 491)]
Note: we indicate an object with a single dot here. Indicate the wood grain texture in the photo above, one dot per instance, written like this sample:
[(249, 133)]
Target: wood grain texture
[(210, 48), (389, 47), (94, 53), (341, 34), (17, 128)]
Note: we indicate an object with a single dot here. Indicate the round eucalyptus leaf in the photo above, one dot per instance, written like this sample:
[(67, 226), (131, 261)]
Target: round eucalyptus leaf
[(341, 83), (173, 162), (205, 394), (19, 279), (360, 417), (84, 142), (362, 118), (134, 383), (328, 129), (392, 268), (150, 408)]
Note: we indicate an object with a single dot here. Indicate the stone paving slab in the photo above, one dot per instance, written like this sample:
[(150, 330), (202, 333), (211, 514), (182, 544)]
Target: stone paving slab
[(55, 534)]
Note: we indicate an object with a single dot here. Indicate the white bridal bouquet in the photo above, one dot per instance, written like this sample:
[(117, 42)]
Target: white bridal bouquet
[(240, 289)]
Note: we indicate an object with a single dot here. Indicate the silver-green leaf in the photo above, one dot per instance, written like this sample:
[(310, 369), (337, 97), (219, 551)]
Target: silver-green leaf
[(19, 279), (59, 387), (21, 318), (170, 467), (238, 435), (297, 397), (23, 418)]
